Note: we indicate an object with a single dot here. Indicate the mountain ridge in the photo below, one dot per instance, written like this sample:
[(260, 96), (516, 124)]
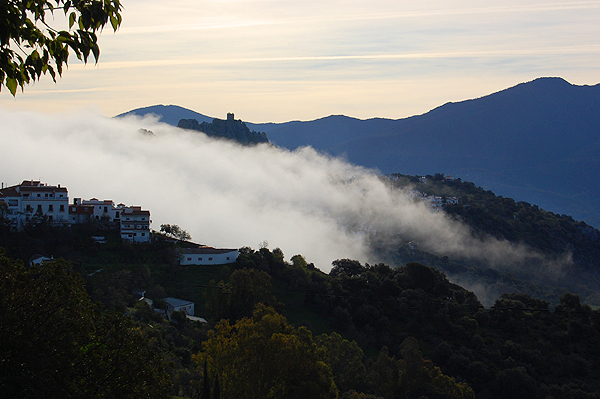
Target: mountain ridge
[(537, 141)]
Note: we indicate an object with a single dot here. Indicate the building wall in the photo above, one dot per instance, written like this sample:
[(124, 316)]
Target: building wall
[(135, 224), (188, 309), (31, 199), (178, 305), (209, 259), (105, 209)]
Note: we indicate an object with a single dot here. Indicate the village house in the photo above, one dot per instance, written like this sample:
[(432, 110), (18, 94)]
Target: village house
[(135, 224), (38, 259), (179, 305), (33, 200), (103, 209), (207, 256)]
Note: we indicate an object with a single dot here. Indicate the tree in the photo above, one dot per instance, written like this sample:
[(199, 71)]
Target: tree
[(30, 46), (264, 357), (5, 223), (175, 231), (346, 268), (56, 343), (248, 288), (346, 361)]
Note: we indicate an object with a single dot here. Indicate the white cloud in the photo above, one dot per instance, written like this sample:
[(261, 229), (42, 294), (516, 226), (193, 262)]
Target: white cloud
[(227, 195)]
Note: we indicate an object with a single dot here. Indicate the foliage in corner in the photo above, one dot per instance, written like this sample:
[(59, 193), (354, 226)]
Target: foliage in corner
[(56, 343), (30, 46)]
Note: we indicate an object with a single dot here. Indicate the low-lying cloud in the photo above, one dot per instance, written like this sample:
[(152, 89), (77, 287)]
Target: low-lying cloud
[(226, 195)]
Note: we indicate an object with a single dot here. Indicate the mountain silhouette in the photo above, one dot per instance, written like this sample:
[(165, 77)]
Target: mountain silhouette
[(537, 142)]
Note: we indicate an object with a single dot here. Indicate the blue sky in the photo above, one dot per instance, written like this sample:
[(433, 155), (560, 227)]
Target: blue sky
[(277, 60)]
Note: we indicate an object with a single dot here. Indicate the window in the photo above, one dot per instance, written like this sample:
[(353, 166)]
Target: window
[(39, 209), (199, 258), (13, 202), (39, 195), (189, 258), (50, 208), (62, 208), (209, 258), (105, 209), (28, 208), (228, 258), (143, 234), (46, 195)]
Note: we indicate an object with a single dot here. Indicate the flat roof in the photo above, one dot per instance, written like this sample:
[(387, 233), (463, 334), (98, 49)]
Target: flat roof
[(175, 302)]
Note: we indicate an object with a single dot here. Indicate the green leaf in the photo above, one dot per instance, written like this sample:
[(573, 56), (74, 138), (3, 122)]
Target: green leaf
[(11, 85), (96, 52), (72, 18), (114, 21)]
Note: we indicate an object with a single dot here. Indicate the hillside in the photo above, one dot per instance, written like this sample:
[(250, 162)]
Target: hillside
[(402, 332), (571, 249), (535, 142)]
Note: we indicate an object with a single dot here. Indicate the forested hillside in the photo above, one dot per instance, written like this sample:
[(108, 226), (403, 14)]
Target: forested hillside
[(361, 331), (572, 248)]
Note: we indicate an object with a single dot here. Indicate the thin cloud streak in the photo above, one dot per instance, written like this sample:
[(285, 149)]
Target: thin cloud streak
[(363, 17), (449, 55)]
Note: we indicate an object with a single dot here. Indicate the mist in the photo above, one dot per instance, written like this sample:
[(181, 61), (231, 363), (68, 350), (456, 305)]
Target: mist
[(230, 196)]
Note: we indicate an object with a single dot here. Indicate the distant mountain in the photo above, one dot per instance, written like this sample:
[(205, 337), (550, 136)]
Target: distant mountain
[(538, 142), (170, 114)]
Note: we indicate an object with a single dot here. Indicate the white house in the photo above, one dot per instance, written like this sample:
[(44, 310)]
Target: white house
[(39, 259), (135, 224), (103, 209), (207, 256), (179, 305), (32, 199), (80, 214)]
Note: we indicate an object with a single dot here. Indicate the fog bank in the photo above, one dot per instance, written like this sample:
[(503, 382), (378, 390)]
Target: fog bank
[(226, 195)]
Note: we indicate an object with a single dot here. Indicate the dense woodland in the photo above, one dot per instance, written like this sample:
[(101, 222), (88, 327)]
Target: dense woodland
[(558, 236), (282, 329)]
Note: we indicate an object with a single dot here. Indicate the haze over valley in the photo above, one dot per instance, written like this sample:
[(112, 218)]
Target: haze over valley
[(301, 199)]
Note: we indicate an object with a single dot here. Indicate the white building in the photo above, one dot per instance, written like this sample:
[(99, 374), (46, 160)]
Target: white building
[(207, 256), (179, 305), (32, 199), (39, 259), (80, 214), (135, 224), (103, 209)]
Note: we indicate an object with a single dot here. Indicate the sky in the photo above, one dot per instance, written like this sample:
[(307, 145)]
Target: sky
[(275, 61)]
